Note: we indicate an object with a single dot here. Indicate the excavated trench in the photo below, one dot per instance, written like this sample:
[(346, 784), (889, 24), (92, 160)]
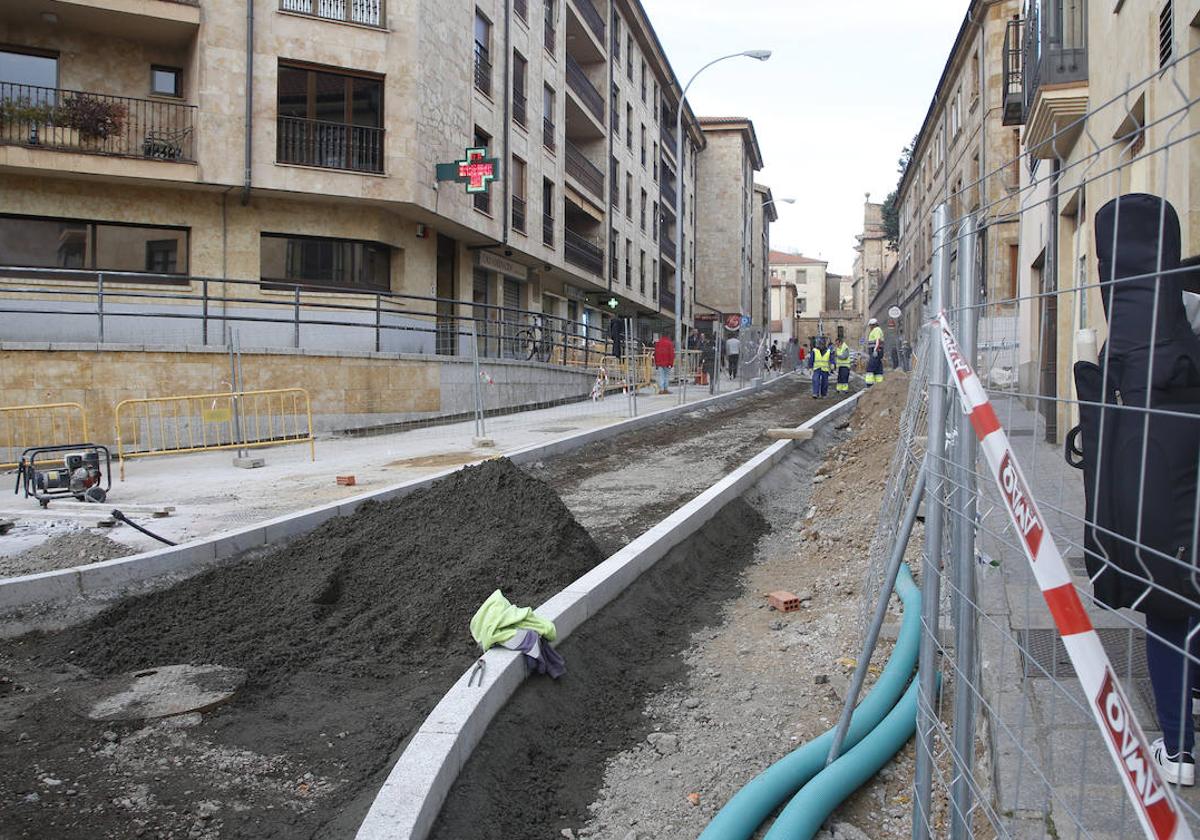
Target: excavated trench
[(350, 634)]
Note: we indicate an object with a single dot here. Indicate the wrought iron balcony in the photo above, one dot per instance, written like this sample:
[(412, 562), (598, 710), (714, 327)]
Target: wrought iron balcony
[(1014, 95), (331, 145), (548, 134), (590, 176), (548, 229), (592, 17), (578, 81), (1055, 45), (483, 70), (518, 105), (365, 12), (666, 245), (581, 252), (668, 139), (94, 123), (669, 196), (666, 298)]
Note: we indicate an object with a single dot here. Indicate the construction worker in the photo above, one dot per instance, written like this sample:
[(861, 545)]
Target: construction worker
[(821, 367), (874, 353), (842, 359)]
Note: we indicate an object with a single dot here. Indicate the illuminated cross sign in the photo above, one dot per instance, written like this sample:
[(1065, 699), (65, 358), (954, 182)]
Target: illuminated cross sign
[(477, 170)]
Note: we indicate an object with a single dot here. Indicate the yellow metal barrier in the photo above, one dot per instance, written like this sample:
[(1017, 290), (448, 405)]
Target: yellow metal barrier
[(44, 424), (206, 422)]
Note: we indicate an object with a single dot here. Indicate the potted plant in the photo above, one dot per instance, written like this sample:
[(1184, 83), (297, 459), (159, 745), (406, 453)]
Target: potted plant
[(22, 119), (92, 117)]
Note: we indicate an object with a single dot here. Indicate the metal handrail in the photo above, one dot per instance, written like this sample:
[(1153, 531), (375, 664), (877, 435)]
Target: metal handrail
[(483, 69), (329, 145), (584, 171), (581, 252), (578, 82), (518, 213), (592, 17), (364, 12), (96, 123), (212, 299)]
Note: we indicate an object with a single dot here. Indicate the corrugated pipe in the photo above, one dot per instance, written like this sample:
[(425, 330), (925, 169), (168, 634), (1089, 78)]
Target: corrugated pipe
[(763, 794), (804, 815)]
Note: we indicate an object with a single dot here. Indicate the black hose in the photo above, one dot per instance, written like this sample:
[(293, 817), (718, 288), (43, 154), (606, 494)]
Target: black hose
[(120, 517)]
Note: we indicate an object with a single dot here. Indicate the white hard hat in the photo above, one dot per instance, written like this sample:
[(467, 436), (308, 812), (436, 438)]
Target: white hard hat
[(873, 321)]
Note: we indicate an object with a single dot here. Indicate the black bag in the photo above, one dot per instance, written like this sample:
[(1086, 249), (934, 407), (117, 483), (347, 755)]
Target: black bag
[(1140, 469)]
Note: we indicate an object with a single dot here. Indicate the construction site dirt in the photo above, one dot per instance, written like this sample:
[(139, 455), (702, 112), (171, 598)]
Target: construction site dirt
[(349, 636)]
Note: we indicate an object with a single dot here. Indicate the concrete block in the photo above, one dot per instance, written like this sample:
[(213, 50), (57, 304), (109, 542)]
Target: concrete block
[(117, 574), (412, 795), (466, 710), (44, 586), (567, 610), (234, 543), (287, 527)]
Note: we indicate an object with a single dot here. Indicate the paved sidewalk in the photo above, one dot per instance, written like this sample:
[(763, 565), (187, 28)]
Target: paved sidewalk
[(1052, 775), (211, 495)]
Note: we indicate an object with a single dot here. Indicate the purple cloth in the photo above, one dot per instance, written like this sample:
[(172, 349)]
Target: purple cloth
[(539, 656)]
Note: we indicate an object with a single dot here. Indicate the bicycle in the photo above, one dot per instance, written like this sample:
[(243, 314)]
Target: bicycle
[(532, 345)]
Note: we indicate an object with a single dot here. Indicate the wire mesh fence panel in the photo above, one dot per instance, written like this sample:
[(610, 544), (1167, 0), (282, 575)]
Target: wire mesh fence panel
[(1062, 419)]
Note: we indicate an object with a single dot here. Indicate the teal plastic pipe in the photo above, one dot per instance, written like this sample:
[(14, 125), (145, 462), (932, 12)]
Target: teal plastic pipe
[(745, 812), (803, 816)]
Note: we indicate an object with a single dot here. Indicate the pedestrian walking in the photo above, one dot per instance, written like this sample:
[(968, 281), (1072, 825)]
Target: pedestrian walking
[(733, 349), (874, 353), (821, 367), (906, 355), (794, 353), (841, 357), (664, 360)]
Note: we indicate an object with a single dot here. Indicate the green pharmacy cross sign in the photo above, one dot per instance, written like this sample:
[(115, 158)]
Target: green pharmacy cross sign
[(477, 170)]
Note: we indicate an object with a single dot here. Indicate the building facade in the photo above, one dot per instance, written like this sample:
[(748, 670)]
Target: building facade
[(1099, 106), (956, 160), (821, 298), (725, 240), (165, 142), (764, 213), (873, 259)]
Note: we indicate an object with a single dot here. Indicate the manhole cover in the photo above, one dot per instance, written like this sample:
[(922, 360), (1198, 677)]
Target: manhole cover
[(1126, 650), (159, 692)]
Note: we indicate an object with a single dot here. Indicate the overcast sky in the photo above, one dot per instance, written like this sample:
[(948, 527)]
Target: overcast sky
[(846, 88)]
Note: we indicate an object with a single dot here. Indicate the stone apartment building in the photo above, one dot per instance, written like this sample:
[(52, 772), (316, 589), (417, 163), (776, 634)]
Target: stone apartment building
[(957, 160), (765, 213), (725, 240), (178, 146), (1103, 93), (820, 300)]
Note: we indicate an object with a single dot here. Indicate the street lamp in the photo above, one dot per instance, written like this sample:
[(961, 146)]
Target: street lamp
[(757, 55)]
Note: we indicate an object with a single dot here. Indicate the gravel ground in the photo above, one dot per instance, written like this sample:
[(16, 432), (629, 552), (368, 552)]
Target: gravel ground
[(75, 548), (761, 683)]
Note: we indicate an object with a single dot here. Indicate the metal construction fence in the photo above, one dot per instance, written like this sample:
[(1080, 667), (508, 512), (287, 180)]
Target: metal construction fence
[(1056, 410), (25, 426)]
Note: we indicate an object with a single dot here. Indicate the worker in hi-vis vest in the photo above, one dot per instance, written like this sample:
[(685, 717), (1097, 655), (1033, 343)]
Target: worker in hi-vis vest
[(841, 357), (821, 368), (874, 353)]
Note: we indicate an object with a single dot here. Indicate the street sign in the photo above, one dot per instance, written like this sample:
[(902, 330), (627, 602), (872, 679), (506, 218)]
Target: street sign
[(745, 321), (733, 322), (894, 312)]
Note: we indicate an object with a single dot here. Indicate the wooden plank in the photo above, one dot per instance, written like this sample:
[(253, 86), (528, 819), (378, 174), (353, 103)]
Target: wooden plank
[(790, 434)]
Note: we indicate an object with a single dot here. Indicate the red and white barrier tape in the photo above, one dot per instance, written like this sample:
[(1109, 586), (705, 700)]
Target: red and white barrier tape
[(1152, 798)]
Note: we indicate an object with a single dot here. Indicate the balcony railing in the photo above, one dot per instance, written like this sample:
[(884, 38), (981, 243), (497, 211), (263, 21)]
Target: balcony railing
[(518, 213), (365, 12), (78, 121), (483, 70), (579, 251), (578, 81), (548, 134), (518, 105), (590, 176), (548, 229), (331, 145), (1014, 97), (669, 196), (592, 17), (668, 139), (666, 245), (1055, 50), (666, 299)]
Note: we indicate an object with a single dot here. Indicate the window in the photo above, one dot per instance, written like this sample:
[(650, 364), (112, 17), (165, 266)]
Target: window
[(629, 127), (548, 19), (319, 261), (643, 145), (612, 254), (166, 81), (614, 190), (1166, 34), (26, 68), (517, 179), (654, 160), (521, 7), (657, 221), (482, 200), (483, 56), (38, 242), (330, 119), (643, 81), (616, 109), (616, 36), (628, 195), (629, 57), (548, 212), (518, 87), (643, 213), (548, 117), (629, 263), (642, 273)]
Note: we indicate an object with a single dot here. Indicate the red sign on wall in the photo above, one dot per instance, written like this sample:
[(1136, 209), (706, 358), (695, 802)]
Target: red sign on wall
[(733, 322)]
